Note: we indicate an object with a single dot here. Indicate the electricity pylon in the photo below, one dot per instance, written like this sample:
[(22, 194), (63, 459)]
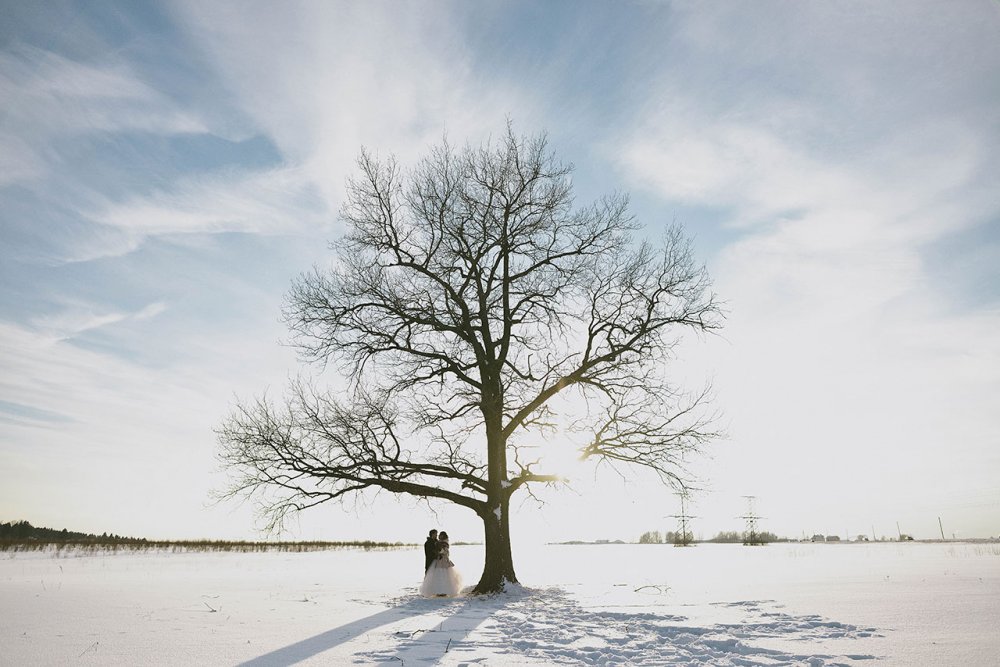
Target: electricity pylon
[(751, 538), (682, 519)]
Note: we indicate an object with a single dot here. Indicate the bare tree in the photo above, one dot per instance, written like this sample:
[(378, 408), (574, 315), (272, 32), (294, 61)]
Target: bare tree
[(475, 309)]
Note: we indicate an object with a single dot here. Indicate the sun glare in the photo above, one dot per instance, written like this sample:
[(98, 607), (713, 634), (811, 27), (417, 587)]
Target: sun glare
[(561, 455)]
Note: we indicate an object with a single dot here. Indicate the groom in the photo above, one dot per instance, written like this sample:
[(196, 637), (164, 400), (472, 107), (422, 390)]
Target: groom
[(431, 549)]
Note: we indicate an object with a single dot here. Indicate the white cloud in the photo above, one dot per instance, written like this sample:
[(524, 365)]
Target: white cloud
[(51, 92), (840, 149), (856, 389), (151, 311), (276, 201), (893, 188), (19, 160), (318, 80), (323, 79), (847, 374), (110, 429), (77, 318), (47, 96)]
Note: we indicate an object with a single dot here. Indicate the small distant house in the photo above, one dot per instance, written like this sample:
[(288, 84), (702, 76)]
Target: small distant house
[(818, 538), (833, 538)]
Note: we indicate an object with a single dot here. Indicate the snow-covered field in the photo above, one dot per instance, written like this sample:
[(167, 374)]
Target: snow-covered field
[(898, 604)]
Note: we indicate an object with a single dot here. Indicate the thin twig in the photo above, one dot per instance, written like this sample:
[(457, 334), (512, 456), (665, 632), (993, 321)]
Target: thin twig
[(92, 646), (662, 589)]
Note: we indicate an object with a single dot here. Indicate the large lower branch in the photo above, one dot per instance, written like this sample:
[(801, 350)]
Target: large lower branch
[(527, 478), (423, 491)]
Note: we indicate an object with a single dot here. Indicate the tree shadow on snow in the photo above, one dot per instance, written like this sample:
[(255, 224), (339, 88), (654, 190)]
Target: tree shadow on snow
[(409, 608), (552, 627), (462, 617), (549, 626)]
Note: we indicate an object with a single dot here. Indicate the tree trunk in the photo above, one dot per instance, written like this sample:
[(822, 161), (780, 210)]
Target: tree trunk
[(498, 570)]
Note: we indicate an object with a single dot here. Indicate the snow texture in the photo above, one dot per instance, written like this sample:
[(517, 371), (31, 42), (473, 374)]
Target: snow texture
[(548, 626), (584, 605)]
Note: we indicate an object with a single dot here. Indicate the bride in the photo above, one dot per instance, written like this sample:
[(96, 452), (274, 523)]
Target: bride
[(442, 578)]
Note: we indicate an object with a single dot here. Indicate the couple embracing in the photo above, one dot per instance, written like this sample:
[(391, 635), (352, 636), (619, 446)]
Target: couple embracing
[(441, 578)]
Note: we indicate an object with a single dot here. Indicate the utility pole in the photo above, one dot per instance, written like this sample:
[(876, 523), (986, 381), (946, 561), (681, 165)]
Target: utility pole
[(682, 519), (752, 536), (941, 526)]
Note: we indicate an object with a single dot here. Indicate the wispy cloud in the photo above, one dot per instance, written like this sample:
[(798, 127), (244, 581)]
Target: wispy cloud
[(323, 79), (841, 159), (845, 355), (75, 319), (275, 201), (26, 415), (48, 97), (107, 427)]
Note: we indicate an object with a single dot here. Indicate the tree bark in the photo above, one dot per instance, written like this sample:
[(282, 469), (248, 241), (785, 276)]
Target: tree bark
[(498, 569)]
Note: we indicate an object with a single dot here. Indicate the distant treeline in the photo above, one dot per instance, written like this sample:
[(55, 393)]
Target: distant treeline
[(724, 537), (186, 546), (22, 531), (670, 537), (735, 536), (22, 536)]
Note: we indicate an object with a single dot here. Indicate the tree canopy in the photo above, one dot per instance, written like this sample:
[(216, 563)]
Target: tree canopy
[(477, 311)]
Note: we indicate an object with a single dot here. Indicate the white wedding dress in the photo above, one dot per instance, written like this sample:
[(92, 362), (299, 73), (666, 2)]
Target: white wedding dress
[(442, 577)]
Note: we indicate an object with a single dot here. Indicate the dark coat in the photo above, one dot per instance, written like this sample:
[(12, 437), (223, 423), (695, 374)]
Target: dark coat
[(431, 550)]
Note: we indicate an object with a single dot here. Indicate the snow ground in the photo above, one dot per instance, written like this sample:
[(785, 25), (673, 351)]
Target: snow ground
[(790, 604)]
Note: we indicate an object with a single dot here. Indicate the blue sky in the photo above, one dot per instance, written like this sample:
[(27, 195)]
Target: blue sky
[(166, 169)]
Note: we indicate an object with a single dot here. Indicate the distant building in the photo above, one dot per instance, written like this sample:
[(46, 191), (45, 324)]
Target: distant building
[(833, 538), (818, 538)]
